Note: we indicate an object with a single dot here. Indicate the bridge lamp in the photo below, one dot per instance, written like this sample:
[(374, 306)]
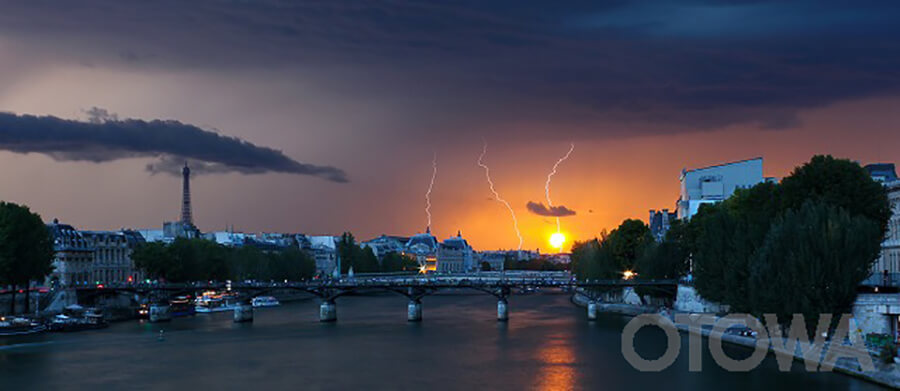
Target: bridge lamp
[(628, 274)]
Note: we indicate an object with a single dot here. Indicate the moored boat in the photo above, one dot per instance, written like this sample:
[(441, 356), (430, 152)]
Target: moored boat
[(89, 319), (213, 302), (265, 301), (19, 326), (181, 306)]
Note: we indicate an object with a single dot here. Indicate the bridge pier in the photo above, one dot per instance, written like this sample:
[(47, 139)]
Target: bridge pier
[(592, 310), (328, 311), (243, 313), (502, 311), (414, 310), (159, 313)]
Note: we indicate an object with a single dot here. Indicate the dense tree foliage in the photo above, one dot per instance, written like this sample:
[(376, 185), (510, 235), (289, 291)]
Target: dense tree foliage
[(362, 260), (396, 262), (612, 254), (537, 264), (838, 182), (200, 260), (811, 262), (26, 249), (802, 246)]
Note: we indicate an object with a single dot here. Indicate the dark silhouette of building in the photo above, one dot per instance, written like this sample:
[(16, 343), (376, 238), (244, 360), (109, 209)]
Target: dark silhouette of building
[(660, 221)]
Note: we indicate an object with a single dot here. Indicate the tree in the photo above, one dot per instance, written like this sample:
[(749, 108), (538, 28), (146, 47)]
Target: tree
[(627, 242), (838, 182), (346, 251), (665, 260), (736, 248), (155, 260), (396, 262), (291, 264), (594, 259), (363, 260), (485, 266), (812, 262), (26, 250)]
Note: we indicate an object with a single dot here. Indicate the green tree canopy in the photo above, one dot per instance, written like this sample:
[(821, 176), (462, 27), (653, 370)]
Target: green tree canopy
[(201, 260), (396, 262), (26, 250), (748, 249), (838, 182), (610, 255), (363, 260), (812, 261)]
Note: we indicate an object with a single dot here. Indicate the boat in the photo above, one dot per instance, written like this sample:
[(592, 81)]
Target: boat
[(181, 306), (265, 301), (19, 326), (75, 320), (212, 302)]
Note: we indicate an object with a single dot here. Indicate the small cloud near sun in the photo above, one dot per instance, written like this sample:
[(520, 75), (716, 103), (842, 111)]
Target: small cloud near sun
[(539, 209)]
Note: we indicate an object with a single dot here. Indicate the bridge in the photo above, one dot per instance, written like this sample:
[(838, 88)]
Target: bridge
[(414, 288)]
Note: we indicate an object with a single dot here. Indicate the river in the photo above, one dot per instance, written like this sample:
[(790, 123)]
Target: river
[(546, 345)]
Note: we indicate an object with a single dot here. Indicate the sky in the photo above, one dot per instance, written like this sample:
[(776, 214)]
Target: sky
[(323, 117)]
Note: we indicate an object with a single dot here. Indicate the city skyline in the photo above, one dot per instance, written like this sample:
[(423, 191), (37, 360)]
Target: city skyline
[(374, 92)]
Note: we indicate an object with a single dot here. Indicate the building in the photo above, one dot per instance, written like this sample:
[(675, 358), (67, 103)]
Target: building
[(424, 248), (882, 172), (178, 229), (112, 256), (659, 223), (886, 270), (385, 244), (73, 256), (324, 251), (496, 260), (714, 184), (154, 235), (226, 238), (455, 255)]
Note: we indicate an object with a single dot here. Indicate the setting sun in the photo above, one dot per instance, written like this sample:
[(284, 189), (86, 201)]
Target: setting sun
[(557, 240)]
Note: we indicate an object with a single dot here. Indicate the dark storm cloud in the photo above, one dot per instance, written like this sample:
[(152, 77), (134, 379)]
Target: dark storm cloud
[(539, 209), (662, 66), (107, 138)]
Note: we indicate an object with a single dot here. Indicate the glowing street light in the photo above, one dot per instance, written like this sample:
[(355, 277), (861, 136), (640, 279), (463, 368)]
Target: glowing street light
[(628, 274)]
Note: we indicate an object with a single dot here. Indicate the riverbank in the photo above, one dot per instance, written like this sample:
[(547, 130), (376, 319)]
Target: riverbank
[(887, 375)]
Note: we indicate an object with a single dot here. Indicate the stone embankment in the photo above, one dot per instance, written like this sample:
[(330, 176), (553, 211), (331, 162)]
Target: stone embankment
[(886, 374)]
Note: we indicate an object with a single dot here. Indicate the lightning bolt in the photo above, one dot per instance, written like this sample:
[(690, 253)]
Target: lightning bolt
[(550, 177), (430, 187), (487, 175)]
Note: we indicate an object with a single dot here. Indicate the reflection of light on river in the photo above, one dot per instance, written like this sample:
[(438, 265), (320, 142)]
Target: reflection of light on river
[(558, 365)]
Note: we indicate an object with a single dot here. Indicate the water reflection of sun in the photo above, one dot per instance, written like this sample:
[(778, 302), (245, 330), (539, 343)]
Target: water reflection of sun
[(557, 365)]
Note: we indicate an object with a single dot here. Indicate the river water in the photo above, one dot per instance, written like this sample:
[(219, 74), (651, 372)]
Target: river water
[(546, 345)]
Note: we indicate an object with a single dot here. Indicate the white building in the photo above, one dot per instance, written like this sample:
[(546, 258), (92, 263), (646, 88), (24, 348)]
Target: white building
[(714, 184), (455, 256), (423, 247), (385, 244), (886, 270), (324, 251), (112, 261), (154, 235), (495, 259), (73, 256), (226, 238)]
